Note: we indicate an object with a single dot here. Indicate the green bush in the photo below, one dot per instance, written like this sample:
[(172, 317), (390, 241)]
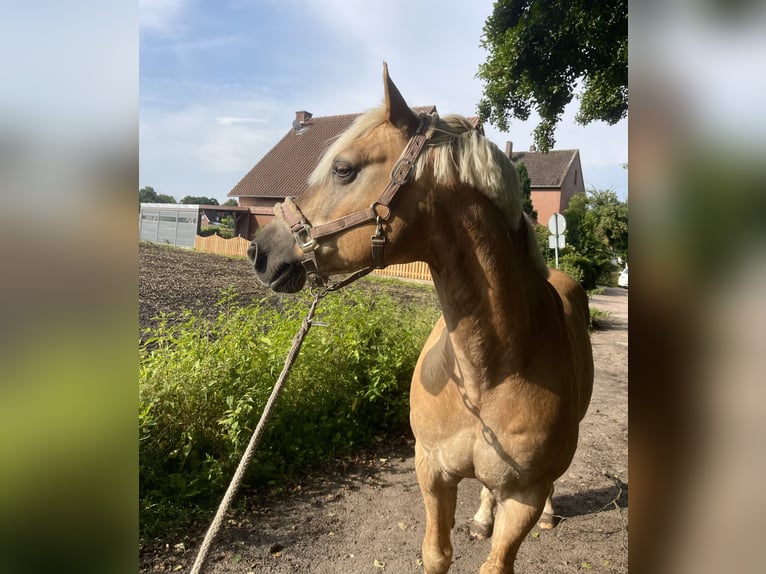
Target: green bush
[(577, 266), (203, 385), (588, 272), (225, 232)]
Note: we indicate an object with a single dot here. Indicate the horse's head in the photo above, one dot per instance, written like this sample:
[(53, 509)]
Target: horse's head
[(352, 215)]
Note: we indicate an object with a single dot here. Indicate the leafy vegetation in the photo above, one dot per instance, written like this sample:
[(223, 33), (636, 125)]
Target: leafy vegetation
[(198, 200), (539, 51), (203, 384), (148, 195), (526, 190), (597, 224), (225, 229), (596, 236), (597, 317)]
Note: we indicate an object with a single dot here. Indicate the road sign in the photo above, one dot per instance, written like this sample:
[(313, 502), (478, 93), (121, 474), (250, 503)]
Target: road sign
[(553, 244), (557, 224)]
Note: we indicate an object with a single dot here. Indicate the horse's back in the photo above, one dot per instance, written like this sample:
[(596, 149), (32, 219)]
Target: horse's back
[(574, 300), (573, 296)]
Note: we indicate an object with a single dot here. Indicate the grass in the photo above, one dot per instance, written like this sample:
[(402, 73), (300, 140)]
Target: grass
[(597, 318)]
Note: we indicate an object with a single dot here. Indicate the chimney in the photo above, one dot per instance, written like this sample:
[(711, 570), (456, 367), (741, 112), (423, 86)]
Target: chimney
[(532, 148), (509, 149), (302, 116)]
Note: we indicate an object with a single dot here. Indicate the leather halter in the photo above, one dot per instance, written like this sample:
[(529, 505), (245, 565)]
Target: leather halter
[(307, 236)]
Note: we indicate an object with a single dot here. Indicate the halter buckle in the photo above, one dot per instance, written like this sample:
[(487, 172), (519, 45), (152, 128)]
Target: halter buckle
[(304, 239), (402, 171)]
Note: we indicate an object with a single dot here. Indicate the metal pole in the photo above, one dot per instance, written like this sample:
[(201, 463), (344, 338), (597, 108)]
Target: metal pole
[(556, 224)]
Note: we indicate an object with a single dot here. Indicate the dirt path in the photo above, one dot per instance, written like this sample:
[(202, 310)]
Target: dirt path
[(368, 517)]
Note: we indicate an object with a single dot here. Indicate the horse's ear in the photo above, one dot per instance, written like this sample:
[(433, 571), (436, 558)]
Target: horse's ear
[(398, 112)]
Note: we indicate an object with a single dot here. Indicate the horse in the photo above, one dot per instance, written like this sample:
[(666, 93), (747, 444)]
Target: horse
[(506, 375)]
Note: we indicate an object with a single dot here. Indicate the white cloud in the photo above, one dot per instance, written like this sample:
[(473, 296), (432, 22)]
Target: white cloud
[(161, 17), (205, 149), (432, 47), (233, 120)]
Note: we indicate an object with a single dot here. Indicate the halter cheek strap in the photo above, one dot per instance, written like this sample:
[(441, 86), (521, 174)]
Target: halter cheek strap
[(307, 236)]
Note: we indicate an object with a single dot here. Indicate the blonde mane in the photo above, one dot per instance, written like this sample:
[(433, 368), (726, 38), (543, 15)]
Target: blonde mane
[(456, 151)]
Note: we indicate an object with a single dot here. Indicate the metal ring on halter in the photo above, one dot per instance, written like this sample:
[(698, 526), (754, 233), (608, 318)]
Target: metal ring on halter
[(384, 213)]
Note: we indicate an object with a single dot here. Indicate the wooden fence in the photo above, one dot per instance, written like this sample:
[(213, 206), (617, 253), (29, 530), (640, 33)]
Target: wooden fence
[(415, 270), (237, 246)]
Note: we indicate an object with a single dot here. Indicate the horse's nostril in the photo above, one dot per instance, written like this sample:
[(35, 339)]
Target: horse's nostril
[(258, 257), (260, 262), (252, 251)]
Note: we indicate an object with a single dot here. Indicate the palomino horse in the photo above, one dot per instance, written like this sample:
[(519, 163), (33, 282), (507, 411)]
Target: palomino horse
[(507, 372)]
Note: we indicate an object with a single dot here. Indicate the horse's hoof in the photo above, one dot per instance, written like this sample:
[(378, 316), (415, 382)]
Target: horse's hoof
[(546, 522), (480, 531)]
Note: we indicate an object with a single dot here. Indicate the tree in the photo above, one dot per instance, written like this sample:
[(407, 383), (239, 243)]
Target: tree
[(542, 233), (232, 202), (148, 195), (596, 234), (199, 200), (597, 225), (538, 52), (526, 191)]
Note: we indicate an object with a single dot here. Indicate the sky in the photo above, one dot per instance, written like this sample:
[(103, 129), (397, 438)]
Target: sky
[(220, 82)]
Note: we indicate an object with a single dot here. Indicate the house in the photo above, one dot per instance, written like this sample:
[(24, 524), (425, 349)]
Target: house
[(554, 178), (285, 169)]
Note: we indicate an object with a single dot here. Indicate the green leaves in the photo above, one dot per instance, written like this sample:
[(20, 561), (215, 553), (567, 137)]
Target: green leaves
[(203, 385), (597, 224), (538, 51)]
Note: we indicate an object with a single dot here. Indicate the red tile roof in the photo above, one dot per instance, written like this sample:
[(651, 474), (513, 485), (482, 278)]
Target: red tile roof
[(546, 169), (285, 169)]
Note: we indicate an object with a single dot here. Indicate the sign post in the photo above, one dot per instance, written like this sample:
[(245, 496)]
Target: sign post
[(557, 224)]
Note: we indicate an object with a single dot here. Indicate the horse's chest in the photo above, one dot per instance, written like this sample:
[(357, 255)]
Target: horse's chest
[(502, 436)]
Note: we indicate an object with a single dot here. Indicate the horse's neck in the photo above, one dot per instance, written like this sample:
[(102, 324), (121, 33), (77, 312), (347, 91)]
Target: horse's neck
[(488, 289)]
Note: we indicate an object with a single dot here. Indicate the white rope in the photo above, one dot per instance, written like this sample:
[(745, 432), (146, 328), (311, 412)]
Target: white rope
[(215, 526)]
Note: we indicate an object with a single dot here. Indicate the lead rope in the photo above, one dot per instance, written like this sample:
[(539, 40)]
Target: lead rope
[(215, 526)]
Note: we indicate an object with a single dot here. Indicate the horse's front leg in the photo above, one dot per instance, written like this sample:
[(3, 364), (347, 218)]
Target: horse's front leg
[(440, 498)]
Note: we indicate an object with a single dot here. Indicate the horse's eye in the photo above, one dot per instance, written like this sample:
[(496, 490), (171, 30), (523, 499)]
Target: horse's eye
[(343, 171)]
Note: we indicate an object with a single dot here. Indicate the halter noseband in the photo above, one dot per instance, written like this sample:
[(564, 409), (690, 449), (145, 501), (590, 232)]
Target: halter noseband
[(307, 236)]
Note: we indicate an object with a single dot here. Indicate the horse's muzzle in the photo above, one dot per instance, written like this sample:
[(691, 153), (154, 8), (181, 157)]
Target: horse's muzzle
[(276, 265)]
